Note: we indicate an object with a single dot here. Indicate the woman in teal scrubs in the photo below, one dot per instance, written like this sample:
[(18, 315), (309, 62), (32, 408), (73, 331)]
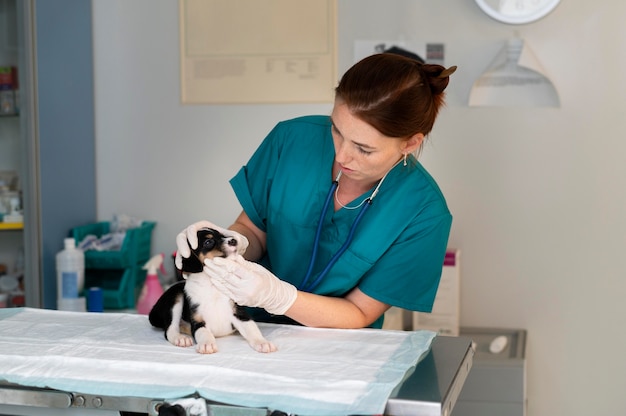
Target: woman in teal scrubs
[(385, 106)]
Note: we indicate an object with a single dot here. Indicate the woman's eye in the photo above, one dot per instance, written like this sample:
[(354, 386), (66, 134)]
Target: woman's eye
[(365, 152)]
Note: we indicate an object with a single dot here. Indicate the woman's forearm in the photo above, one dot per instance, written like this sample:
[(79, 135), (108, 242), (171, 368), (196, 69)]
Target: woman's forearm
[(356, 310)]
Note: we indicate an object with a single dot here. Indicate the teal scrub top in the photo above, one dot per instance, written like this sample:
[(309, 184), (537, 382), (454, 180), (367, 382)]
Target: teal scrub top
[(397, 252)]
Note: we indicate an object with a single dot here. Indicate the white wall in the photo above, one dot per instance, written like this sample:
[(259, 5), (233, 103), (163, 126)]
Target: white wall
[(537, 194)]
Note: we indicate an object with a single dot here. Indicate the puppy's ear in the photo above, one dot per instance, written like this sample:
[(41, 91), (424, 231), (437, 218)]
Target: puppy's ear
[(192, 264)]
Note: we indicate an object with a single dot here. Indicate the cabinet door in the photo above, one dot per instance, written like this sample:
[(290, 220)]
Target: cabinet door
[(11, 150)]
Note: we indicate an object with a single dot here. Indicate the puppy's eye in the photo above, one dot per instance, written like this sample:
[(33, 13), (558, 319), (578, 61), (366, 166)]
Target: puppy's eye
[(208, 244)]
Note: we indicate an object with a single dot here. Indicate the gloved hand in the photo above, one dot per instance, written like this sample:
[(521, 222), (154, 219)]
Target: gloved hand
[(250, 284), (189, 237)]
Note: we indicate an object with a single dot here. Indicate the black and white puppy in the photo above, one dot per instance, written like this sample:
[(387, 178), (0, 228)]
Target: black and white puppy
[(196, 303)]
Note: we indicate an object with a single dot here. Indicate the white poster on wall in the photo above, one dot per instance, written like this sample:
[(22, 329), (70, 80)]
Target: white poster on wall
[(250, 51)]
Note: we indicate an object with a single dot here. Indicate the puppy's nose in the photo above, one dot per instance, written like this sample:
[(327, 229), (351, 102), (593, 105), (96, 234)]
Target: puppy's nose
[(232, 242)]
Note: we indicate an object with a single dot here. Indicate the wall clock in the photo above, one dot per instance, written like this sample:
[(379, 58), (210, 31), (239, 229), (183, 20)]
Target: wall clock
[(517, 11)]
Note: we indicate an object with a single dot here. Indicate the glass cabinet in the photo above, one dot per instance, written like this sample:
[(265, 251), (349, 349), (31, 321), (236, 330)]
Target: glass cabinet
[(12, 251), (47, 138)]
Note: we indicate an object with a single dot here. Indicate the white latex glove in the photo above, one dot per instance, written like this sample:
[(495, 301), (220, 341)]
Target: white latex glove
[(189, 237), (250, 284)]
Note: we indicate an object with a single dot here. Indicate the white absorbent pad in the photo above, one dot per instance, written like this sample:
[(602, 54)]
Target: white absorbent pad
[(314, 372)]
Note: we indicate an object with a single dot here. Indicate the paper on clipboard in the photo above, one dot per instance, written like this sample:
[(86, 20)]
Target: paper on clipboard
[(515, 78)]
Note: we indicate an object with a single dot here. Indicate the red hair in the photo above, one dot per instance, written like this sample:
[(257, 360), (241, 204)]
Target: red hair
[(396, 95)]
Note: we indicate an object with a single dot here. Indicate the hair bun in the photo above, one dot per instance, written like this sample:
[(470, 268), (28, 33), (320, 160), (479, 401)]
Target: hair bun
[(447, 72)]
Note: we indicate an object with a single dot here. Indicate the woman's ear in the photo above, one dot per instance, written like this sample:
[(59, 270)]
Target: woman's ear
[(413, 143)]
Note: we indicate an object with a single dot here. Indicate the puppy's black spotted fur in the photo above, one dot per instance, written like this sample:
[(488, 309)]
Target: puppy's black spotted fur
[(196, 303)]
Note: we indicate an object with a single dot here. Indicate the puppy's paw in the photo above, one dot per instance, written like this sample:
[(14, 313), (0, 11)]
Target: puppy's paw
[(263, 345), (206, 341), (207, 348), (181, 340)]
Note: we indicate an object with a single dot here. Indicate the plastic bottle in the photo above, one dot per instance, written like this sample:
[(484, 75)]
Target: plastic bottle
[(152, 288), (70, 271)]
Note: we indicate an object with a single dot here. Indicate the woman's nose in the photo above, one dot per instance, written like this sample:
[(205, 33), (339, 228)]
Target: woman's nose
[(342, 155)]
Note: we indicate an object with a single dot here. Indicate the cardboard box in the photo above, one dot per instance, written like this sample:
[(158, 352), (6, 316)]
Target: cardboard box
[(445, 316)]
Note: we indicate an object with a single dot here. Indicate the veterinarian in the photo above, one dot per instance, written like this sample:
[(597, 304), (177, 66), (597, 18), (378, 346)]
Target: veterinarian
[(382, 237)]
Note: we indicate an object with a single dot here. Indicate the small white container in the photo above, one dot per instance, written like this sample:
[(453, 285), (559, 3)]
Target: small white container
[(8, 283), (72, 304), (70, 271)]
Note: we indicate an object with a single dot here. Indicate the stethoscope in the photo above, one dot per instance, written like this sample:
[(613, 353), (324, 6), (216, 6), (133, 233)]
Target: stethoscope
[(307, 286)]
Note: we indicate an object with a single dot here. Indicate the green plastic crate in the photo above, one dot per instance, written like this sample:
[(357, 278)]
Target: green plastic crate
[(136, 248), (120, 287), (118, 273)]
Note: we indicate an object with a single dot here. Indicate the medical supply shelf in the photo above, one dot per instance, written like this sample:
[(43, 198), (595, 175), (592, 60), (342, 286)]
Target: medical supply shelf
[(119, 273), (11, 226)]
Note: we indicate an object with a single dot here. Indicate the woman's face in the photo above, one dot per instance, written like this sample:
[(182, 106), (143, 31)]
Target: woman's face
[(362, 152)]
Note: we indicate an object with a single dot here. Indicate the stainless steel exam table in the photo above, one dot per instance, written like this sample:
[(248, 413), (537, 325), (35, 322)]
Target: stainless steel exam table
[(431, 389)]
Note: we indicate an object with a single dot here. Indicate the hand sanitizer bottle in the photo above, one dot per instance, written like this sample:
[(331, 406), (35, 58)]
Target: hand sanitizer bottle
[(70, 271), (152, 289)]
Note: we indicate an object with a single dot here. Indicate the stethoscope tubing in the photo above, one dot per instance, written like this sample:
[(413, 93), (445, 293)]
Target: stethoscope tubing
[(305, 285), (339, 252), (318, 234)]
